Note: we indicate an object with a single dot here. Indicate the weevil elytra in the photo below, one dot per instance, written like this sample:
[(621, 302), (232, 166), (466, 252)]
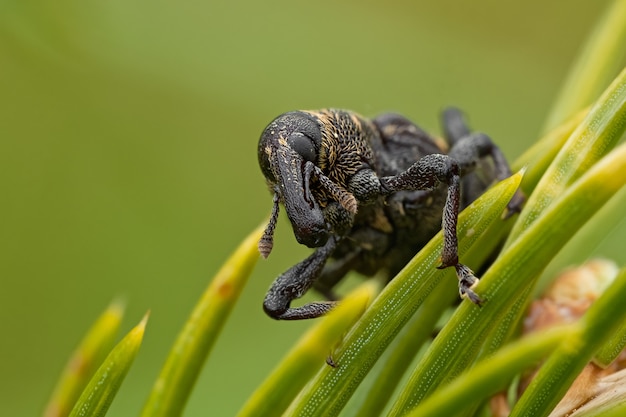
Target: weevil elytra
[(367, 195)]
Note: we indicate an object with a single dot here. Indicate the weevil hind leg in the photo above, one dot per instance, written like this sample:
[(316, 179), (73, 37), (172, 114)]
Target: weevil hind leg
[(468, 149), (454, 125)]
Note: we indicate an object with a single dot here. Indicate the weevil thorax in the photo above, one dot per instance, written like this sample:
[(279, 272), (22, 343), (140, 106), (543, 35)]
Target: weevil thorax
[(345, 146)]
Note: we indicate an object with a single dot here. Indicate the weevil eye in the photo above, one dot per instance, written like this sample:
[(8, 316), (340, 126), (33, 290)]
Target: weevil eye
[(303, 134), (303, 145)]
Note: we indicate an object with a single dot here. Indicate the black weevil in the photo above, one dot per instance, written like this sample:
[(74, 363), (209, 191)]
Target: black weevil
[(367, 194)]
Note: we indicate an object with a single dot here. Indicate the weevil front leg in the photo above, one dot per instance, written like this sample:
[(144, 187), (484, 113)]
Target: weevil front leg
[(426, 174), (293, 283)]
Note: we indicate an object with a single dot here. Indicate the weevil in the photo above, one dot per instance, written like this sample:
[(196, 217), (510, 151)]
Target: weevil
[(367, 195)]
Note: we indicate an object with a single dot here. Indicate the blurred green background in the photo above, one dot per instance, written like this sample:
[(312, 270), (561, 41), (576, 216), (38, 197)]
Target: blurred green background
[(128, 135)]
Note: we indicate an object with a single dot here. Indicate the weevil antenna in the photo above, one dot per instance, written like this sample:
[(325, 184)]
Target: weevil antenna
[(267, 240)]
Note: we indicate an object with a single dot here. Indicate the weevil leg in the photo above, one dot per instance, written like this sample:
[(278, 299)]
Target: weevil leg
[(340, 222), (468, 148), (426, 174), (333, 273), (293, 283), (454, 126)]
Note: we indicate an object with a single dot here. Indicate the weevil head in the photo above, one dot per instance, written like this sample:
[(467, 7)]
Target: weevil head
[(287, 144)]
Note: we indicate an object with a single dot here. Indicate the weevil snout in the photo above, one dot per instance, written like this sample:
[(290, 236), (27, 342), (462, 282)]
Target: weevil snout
[(313, 237), (303, 210)]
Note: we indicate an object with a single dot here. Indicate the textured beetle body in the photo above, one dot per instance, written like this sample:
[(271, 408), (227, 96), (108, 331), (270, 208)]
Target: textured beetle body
[(366, 194), (388, 229)]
